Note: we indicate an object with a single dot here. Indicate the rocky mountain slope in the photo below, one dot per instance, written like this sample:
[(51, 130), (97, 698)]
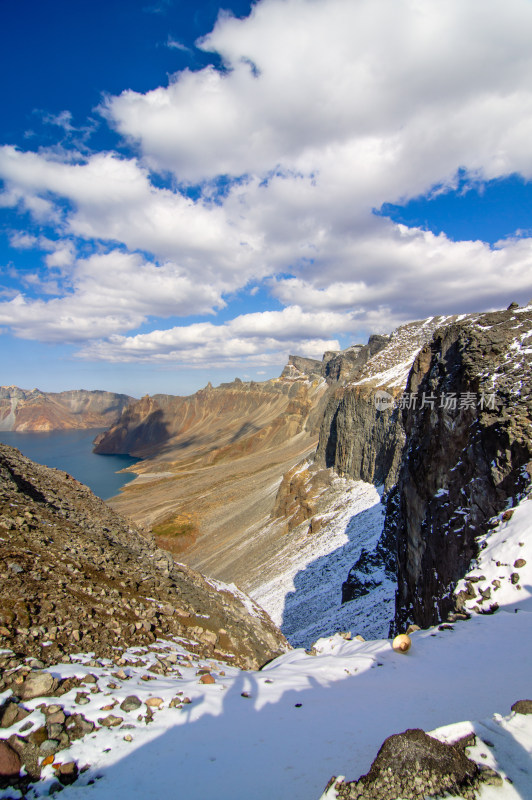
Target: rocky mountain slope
[(212, 461), (22, 410), (430, 387), (76, 576)]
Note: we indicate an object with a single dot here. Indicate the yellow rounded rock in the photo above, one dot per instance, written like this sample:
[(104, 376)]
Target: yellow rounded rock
[(402, 643)]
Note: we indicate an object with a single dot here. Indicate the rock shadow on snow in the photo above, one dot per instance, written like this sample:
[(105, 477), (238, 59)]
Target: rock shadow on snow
[(315, 606)]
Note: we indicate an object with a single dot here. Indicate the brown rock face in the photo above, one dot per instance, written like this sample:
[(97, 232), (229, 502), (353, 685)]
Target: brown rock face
[(461, 464), (75, 575), (238, 417), (10, 762), (22, 410), (212, 462)]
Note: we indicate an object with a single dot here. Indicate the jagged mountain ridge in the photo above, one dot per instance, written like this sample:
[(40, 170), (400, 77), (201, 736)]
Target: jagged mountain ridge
[(361, 440), (22, 410), (332, 534)]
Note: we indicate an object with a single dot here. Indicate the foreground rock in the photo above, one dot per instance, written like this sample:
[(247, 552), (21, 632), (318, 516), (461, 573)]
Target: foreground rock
[(414, 765), (78, 578)]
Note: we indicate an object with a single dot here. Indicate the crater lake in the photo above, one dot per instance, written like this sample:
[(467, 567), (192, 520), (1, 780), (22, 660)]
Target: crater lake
[(71, 451)]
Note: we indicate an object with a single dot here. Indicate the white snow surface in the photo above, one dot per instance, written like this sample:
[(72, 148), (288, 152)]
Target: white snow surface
[(508, 543), (352, 695), (302, 588), (309, 717)]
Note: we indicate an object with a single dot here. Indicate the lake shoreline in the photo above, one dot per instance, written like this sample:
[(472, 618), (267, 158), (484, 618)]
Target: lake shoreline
[(71, 451)]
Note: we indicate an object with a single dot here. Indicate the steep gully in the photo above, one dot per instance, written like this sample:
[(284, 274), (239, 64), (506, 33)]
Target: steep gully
[(211, 479)]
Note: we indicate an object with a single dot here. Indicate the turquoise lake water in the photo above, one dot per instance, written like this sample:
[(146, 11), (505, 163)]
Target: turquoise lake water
[(72, 451)]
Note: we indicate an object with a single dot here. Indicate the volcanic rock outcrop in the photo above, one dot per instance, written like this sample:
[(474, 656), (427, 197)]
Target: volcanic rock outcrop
[(468, 454), (33, 410), (361, 437), (415, 765), (76, 577)]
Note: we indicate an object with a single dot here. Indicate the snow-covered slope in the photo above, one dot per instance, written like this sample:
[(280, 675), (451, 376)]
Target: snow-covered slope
[(283, 731), (305, 719), (300, 586), (502, 573)]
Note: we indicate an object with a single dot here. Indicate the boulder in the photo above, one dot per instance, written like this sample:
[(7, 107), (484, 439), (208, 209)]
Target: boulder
[(37, 684), (414, 765), (522, 707), (10, 762)]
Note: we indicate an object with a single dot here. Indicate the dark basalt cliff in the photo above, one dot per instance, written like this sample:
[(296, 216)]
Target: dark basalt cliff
[(464, 460), (447, 463), (76, 577), (359, 438)]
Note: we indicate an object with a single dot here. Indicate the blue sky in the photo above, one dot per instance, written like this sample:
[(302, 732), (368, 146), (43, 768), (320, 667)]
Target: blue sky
[(192, 191)]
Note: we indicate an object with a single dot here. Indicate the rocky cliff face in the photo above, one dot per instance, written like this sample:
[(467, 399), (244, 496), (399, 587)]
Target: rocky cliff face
[(360, 437), (344, 365), (232, 413), (76, 576), (468, 454), (33, 410)]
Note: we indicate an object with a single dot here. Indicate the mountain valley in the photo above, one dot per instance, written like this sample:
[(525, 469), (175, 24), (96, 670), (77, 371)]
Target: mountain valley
[(382, 489)]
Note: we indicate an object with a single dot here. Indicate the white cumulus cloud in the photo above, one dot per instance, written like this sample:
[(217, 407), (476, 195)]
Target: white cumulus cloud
[(324, 111)]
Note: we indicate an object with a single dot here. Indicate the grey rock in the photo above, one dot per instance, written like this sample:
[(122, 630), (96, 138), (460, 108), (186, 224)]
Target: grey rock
[(522, 707), (37, 684), (11, 713), (77, 726), (110, 721), (131, 703), (490, 776), (49, 748)]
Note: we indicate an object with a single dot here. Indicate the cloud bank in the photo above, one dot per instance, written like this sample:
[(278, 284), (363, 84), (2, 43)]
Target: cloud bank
[(268, 173)]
